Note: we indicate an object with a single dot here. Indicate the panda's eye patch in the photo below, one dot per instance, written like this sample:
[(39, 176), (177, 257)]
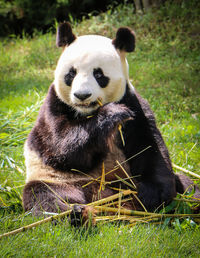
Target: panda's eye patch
[(70, 76), (100, 77)]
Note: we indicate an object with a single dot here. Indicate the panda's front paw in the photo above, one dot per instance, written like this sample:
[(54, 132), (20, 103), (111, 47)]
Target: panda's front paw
[(117, 113), (82, 216)]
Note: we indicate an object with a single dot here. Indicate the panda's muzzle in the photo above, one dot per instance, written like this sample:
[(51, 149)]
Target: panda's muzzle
[(84, 99), (82, 95)]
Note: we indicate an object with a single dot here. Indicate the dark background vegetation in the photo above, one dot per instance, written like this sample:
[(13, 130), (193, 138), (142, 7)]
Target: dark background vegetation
[(20, 17)]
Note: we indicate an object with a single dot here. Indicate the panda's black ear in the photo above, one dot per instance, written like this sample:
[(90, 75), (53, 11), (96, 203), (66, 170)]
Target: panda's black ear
[(125, 39), (64, 35)]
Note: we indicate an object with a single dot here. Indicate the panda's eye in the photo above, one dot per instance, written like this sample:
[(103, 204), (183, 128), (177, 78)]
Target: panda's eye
[(72, 72), (70, 76), (100, 77)]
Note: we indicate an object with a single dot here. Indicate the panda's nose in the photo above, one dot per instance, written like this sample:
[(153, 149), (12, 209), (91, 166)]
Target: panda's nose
[(82, 95)]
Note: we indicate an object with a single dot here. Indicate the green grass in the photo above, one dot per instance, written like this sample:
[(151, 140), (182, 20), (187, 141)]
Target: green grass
[(103, 241), (164, 69)]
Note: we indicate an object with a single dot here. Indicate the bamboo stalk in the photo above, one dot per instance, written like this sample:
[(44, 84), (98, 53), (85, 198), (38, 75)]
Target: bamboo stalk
[(142, 213), (102, 183), (119, 204), (35, 224), (190, 197), (187, 200), (123, 211), (121, 134), (65, 213), (110, 198), (185, 171), (116, 202)]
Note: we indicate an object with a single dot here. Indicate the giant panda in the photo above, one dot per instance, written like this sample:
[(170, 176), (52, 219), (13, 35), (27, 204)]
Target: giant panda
[(75, 135)]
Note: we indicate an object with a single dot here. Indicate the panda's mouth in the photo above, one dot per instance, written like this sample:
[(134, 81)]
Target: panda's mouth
[(87, 105)]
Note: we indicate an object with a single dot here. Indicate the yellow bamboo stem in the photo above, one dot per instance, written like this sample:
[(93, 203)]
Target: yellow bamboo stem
[(121, 134), (35, 224), (122, 211), (187, 200), (119, 203), (116, 202), (110, 198), (190, 197), (102, 184), (142, 213), (186, 171)]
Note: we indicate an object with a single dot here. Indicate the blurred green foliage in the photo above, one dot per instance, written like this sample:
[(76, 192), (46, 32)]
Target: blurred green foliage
[(24, 16)]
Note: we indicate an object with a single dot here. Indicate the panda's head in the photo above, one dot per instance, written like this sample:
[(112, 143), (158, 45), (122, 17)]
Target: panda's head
[(92, 68)]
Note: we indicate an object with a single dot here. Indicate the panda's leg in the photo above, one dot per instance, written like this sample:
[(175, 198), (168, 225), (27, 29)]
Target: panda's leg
[(185, 184), (43, 198)]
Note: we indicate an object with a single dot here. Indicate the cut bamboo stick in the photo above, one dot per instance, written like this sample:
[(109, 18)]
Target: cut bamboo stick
[(142, 213), (186, 171), (102, 183), (110, 198), (35, 224)]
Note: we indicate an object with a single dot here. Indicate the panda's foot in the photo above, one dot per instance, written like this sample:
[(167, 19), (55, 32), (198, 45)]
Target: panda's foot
[(154, 197), (82, 216)]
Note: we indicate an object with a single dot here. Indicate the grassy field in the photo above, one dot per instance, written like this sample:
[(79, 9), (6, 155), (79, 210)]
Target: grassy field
[(164, 69)]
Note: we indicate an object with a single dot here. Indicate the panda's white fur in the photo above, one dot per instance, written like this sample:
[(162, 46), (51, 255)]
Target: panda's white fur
[(85, 54), (36, 169)]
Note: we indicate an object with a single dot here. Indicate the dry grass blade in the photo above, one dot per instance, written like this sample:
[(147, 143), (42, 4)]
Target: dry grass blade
[(124, 181), (117, 166), (126, 174), (57, 195), (76, 170)]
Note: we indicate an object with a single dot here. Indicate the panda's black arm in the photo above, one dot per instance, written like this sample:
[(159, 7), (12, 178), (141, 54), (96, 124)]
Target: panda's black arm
[(152, 167)]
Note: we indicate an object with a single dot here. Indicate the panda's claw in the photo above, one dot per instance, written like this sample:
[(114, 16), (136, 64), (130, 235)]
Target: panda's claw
[(76, 216)]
